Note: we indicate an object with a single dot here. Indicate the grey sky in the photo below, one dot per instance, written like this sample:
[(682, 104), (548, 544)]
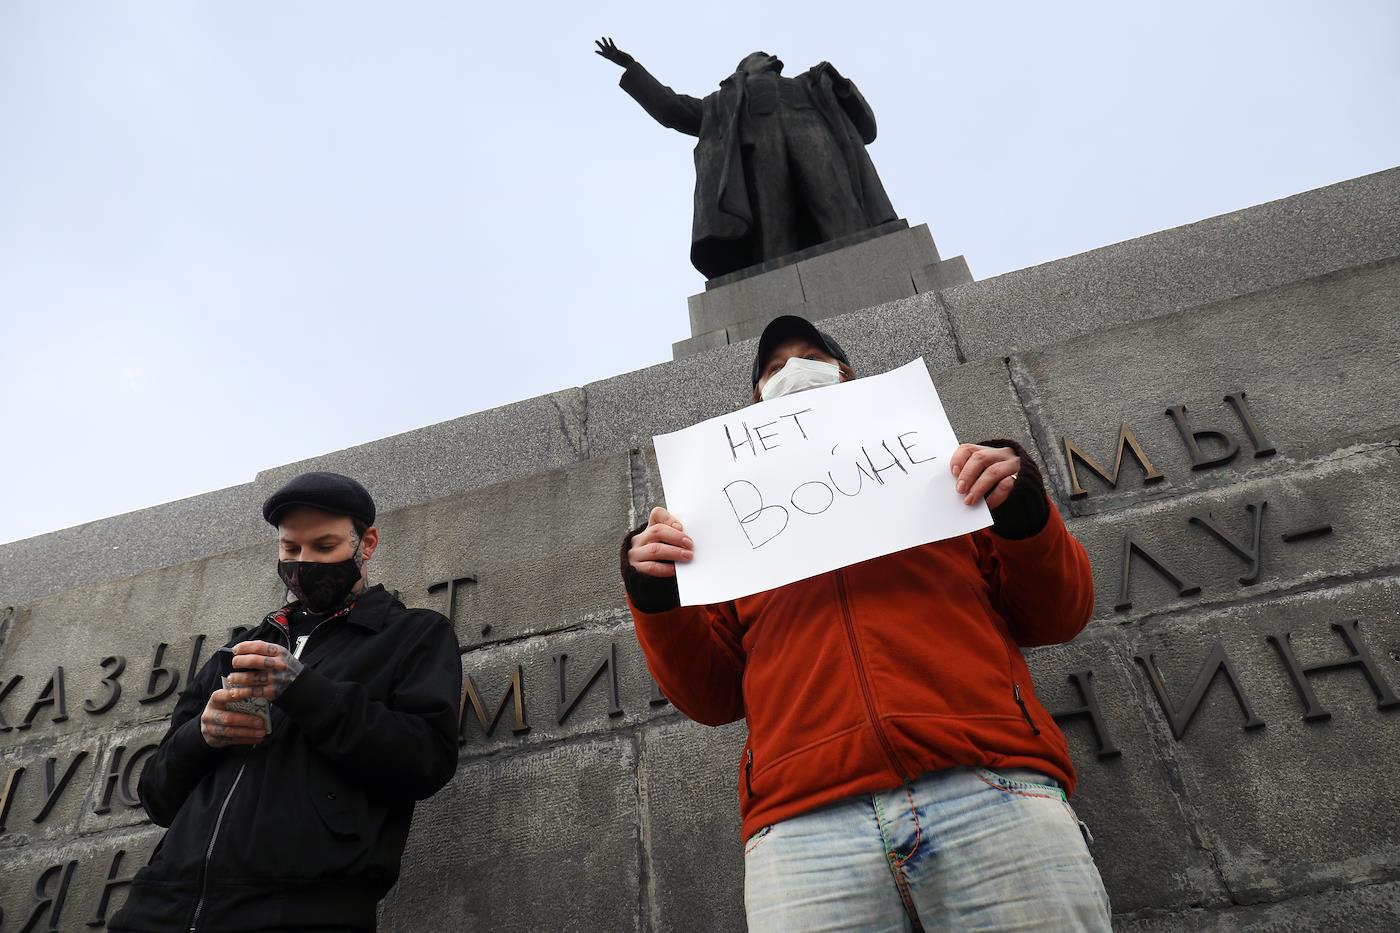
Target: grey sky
[(234, 235)]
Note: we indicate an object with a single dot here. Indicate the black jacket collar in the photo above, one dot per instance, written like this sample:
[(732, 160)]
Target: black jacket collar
[(372, 608), (370, 612)]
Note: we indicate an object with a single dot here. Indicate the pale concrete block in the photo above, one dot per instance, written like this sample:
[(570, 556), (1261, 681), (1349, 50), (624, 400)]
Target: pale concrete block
[(1319, 361), (769, 292), (940, 275), (540, 841), (1291, 807), (690, 346), (1150, 860), (1355, 494), (695, 858), (1336, 227)]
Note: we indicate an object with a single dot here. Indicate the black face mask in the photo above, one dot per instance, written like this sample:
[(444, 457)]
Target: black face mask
[(321, 587)]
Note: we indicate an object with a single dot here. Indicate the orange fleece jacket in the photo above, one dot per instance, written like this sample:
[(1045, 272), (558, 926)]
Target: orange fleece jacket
[(857, 680)]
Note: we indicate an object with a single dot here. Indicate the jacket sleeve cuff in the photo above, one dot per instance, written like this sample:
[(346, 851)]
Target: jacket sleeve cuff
[(632, 75), (1026, 511), (647, 594), (662, 629), (311, 695), (189, 745)]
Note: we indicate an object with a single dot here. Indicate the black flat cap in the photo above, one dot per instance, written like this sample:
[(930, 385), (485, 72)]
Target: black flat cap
[(787, 327), (329, 492)]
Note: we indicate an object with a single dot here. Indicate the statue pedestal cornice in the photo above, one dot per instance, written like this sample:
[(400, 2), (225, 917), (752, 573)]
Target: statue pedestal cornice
[(884, 263)]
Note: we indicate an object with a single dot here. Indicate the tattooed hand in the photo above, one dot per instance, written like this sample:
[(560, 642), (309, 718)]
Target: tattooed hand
[(222, 727), (261, 669)]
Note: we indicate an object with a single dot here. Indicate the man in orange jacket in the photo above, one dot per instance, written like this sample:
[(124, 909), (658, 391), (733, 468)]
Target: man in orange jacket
[(900, 772)]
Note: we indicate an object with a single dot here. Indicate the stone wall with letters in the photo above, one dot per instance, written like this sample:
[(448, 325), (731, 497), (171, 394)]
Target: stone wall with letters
[(1217, 411)]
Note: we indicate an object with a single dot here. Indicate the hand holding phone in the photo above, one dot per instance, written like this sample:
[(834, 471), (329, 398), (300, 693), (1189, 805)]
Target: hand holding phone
[(264, 669), (251, 706)]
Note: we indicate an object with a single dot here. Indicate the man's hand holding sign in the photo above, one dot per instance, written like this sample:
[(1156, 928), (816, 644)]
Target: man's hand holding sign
[(985, 473), (856, 585)]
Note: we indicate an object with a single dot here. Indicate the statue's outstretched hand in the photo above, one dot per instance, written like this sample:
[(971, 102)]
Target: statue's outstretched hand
[(612, 53)]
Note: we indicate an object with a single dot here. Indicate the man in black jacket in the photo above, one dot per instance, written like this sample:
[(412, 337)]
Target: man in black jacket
[(297, 821)]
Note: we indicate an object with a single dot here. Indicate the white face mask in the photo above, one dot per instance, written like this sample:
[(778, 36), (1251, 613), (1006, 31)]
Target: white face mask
[(798, 375)]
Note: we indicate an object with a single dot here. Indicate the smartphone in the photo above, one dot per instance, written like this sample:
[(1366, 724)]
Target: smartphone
[(255, 706)]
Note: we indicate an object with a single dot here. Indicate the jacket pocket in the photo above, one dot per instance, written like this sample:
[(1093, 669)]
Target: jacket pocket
[(339, 809), (1012, 651)]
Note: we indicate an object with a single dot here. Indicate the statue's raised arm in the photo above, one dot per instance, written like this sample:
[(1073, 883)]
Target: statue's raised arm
[(679, 112)]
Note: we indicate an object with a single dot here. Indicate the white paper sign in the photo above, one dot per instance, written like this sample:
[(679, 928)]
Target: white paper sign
[(804, 484)]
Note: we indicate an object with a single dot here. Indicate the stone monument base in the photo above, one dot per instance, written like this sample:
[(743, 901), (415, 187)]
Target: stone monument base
[(871, 267), (1261, 587)]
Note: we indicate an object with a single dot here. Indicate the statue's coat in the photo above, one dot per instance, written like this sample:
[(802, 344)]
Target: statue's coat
[(723, 227)]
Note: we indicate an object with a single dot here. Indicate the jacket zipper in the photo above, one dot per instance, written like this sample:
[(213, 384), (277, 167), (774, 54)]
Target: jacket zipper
[(214, 836), (861, 676), (219, 820), (305, 641), (1016, 687), (748, 770), (209, 852)]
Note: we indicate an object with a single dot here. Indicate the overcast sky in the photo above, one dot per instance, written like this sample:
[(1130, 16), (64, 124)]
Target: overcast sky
[(235, 235)]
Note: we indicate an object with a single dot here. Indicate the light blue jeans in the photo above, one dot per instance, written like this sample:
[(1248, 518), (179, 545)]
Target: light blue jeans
[(962, 849)]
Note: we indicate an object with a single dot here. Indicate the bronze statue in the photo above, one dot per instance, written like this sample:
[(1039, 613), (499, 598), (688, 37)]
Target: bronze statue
[(781, 162)]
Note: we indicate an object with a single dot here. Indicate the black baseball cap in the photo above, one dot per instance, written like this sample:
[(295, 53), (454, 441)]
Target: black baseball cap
[(786, 327), (329, 492)]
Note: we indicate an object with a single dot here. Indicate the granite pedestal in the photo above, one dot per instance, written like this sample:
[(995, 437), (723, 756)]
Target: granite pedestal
[(875, 266)]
